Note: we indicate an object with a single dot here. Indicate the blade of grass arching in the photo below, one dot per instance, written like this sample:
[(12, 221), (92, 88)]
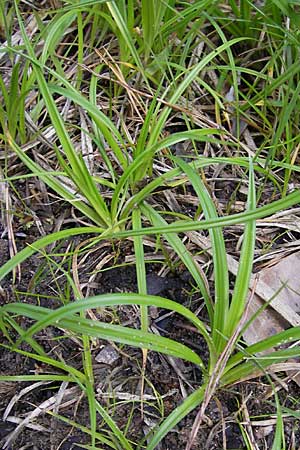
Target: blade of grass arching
[(183, 254), (133, 337), (55, 32), (182, 226), (190, 403), (243, 70), (191, 75), (76, 375), (107, 128), (79, 168), (205, 134), (240, 292), (42, 243), (178, 227), (57, 186), (115, 333), (46, 317), (221, 282), (200, 163), (282, 338), (161, 181), (255, 365)]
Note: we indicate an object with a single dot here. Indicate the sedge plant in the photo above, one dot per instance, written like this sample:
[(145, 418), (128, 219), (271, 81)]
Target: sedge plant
[(224, 367), (129, 212)]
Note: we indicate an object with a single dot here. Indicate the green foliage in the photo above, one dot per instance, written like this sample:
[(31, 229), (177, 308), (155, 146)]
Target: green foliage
[(156, 41)]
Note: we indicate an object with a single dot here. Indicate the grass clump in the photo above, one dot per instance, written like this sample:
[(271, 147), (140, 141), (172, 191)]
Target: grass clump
[(117, 109)]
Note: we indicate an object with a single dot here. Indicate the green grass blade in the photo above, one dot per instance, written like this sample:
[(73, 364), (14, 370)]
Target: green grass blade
[(117, 333), (190, 403), (254, 365), (86, 430), (140, 267), (240, 293), (152, 12), (125, 32), (9, 321), (178, 227), (181, 226), (221, 302), (36, 377), (55, 31), (146, 127), (89, 389), (285, 337), (42, 243), (81, 177), (183, 254), (143, 159), (76, 375), (51, 181), (117, 433), (104, 124), (279, 441), (191, 75)]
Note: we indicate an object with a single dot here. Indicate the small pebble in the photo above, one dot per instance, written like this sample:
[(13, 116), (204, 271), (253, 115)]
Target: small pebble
[(108, 355)]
